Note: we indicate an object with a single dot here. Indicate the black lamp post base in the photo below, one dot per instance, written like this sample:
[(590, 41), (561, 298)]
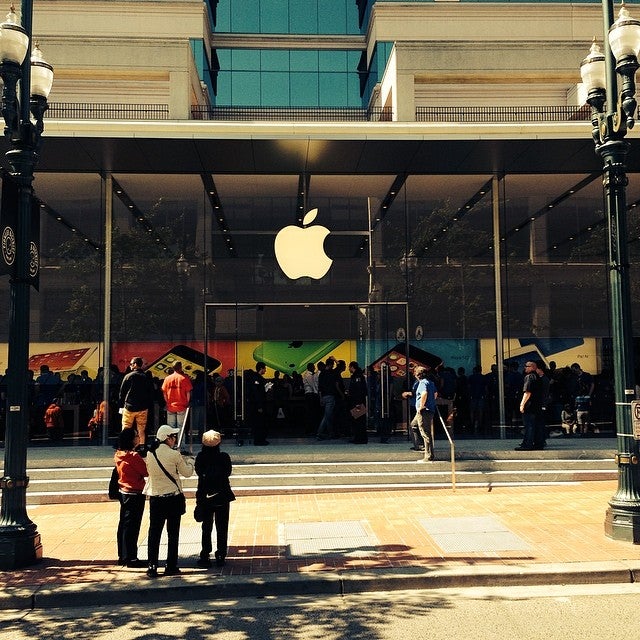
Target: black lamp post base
[(19, 548), (623, 524)]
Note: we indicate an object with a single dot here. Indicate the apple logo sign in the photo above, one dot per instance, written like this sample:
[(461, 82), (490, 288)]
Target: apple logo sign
[(300, 250)]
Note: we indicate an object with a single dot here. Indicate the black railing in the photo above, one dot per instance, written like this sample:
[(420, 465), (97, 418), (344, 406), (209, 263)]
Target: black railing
[(466, 114), (502, 114), (107, 111), (310, 114)]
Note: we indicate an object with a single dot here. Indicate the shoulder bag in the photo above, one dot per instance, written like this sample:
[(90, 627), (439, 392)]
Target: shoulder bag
[(114, 487), (182, 500)]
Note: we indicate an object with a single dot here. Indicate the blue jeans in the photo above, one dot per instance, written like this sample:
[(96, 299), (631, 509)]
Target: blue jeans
[(176, 419), (324, 429)]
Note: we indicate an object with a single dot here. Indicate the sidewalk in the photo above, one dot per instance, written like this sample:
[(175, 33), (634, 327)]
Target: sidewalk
[(339, 543)]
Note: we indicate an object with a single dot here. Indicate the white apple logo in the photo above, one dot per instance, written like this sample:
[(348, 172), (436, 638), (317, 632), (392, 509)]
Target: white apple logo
[(300, 250)]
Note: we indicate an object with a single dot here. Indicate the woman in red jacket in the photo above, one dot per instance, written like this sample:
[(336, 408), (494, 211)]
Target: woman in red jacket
[(132, 471)]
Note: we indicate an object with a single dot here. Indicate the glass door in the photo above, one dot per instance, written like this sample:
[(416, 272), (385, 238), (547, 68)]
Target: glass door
[(281, 346)]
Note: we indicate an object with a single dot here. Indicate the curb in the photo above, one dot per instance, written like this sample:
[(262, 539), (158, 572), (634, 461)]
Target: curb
[(205, 587)]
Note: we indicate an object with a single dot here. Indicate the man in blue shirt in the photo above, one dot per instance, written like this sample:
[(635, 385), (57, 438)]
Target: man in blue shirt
[(425, 395)]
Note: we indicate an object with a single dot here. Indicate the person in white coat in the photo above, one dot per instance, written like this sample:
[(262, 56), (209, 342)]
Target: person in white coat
[(167, 503)]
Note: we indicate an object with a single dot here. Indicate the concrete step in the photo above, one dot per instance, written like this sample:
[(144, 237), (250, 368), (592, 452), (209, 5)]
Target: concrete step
[(54, 485), (81, 474)]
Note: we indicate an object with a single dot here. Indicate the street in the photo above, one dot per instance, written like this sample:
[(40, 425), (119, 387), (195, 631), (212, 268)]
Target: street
[(522, 613)]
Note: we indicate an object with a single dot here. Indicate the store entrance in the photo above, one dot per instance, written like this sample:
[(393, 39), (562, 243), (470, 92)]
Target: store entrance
[(287, 338)]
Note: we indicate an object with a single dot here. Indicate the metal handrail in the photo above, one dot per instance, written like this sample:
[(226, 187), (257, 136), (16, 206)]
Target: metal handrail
[(452, 448), (310, 114), (493, 114)]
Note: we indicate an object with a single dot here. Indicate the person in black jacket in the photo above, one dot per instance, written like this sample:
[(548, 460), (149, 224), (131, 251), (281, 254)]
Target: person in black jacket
[(213, 497), (357, 403), (256, 402), (136, 397)]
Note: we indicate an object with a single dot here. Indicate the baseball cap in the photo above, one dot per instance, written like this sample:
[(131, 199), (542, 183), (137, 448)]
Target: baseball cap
[(165, 431)]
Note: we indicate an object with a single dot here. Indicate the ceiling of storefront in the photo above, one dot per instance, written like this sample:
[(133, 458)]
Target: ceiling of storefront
[(540, 177)]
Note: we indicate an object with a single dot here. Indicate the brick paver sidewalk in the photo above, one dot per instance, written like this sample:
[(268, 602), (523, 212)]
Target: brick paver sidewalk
[(307, 533)]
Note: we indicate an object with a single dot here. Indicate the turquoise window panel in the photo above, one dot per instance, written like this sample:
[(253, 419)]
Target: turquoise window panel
[(274, 89), (245, 88), (304, 89), (332, 17), (303, 16), (202, 64), (332, 89), (274, 60), (287, 16), (223, 95), (353, 92), (245, 59), (274, 16), (333, 61), (245, 17), (304, 60), (224, 58)]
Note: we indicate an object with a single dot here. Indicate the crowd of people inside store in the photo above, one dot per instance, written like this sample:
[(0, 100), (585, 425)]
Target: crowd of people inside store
[(317, 403)]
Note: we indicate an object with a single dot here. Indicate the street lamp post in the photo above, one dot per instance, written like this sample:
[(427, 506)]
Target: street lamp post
[(612, 115), (27, 82)]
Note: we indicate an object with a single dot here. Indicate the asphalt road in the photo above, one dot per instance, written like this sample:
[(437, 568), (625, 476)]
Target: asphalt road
[(599, 612)]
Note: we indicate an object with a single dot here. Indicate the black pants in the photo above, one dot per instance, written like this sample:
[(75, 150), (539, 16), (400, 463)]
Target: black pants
[(164, 510), (131, 510), (219, 515), (256, 419)]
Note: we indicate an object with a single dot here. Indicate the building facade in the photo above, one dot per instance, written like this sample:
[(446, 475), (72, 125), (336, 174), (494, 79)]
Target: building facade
[(445, 147)]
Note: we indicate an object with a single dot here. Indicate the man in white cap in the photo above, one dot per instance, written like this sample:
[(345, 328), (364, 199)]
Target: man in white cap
[(166, 498)]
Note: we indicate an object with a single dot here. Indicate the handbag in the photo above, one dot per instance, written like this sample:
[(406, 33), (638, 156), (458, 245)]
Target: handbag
[(181, 501), (114, 487), (358, 411)]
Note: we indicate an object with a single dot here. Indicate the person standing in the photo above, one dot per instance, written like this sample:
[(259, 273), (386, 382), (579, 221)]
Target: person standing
[(530, 406), (311, 398), (176, 390), (166, 499), (425, 396), (540, 437), (54, 421), (132, 471), (135, 398), (328, 387), (256, 400), (213, 497), (357, 399)]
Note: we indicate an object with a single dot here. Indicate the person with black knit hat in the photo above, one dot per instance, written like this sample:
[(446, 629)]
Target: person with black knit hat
[(213, 497)]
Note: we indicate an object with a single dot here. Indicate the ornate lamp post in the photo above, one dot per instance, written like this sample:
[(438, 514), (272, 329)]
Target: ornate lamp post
[(27, 82), (612, 115)]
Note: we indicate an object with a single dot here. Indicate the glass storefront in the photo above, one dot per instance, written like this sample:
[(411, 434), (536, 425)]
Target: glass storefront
[(182, 243)]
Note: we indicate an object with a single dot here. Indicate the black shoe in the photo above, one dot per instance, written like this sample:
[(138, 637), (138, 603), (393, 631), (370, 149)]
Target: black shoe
[(152, 571), (205, 563), (219, 559), (417, 449), (523, 448), (135, 564), (172, 571)]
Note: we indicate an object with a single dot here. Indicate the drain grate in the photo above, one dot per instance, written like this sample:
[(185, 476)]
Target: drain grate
[(332, 539), (472, 534)]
